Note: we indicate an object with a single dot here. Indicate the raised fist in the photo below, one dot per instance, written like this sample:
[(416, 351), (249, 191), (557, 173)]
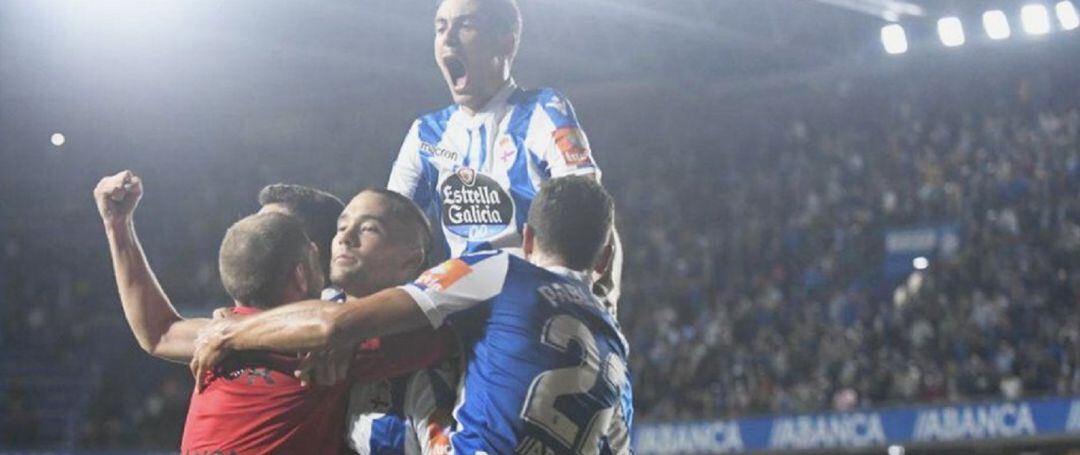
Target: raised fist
[(117, 195)]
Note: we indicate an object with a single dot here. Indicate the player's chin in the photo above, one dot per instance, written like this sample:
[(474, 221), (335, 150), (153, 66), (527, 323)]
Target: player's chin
[(341, 276), (462, 96)]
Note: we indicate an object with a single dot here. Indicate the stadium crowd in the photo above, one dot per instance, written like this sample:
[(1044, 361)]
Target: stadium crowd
[(752, 288), (768, 298)]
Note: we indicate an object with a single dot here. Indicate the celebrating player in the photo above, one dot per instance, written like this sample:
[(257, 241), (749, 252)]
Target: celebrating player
[(475, 166), (534, 333), (266, 260), (382, 418)]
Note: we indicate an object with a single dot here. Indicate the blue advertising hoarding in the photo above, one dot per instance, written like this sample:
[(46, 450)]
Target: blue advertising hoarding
[(987, 421)]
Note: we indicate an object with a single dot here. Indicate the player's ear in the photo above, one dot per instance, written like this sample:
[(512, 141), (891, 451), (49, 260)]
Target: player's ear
[(414, 263), (506, 46), (300, 279), (606, 258), (528, 241)]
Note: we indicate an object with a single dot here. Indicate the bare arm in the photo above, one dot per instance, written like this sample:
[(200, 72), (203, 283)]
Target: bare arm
[(312, 326), (316, 326), (609, 285), (159, 329)]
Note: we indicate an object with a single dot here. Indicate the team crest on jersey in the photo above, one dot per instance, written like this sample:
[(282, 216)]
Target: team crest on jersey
[(475, 206), (571, 143), (506, 150), (444, 275), (467, 176)]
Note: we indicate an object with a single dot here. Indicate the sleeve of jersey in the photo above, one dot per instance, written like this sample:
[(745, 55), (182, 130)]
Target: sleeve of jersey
[(620, 427), (459, 284), (562, 143), (407, 170)]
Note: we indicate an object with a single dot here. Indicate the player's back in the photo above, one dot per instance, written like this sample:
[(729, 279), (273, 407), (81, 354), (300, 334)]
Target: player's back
[(547, 368), (258, 407)]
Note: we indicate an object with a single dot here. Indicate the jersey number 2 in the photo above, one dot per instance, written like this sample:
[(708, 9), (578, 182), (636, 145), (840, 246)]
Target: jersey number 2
[(539, 408)]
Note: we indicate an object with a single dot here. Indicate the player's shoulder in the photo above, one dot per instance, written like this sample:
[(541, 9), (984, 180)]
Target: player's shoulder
[(534, 96), (484, 256), (438, 115), (495, 261), (434, 122), (553, 103)]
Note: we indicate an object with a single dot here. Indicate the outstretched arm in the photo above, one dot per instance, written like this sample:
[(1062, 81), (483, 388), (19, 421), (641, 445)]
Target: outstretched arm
[(317, 326), (312, 326), (159, 329)]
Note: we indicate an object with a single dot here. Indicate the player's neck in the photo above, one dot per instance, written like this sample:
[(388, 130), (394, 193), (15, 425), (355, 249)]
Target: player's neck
[(477, 104), (361, 290), (543, 260)]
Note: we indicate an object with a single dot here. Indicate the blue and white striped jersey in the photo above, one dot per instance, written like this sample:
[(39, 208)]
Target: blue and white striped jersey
[(475, 176), (401, 416), (546, 370)]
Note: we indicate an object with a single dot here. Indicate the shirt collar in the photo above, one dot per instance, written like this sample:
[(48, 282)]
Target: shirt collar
[(577, 275), (495, 102)]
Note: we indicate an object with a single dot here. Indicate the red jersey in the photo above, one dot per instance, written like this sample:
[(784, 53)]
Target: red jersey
[(259, 407)]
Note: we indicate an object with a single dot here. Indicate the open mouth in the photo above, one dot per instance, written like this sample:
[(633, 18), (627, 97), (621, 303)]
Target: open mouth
[(456, 69)]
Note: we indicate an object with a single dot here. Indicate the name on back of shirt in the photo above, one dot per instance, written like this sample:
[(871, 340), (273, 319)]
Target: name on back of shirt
[(558, 294)]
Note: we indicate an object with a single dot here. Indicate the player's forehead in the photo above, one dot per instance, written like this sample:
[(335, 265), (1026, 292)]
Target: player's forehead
[(450, 10), (366, 206)]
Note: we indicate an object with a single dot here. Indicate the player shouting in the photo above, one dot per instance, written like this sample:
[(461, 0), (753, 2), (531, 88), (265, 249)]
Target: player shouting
[(475, 166)]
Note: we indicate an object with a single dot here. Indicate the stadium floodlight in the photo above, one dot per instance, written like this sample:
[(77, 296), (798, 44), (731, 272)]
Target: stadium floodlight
[(894, 39), (1066, 13), (57, 139), (1036, 20), (996, 25), (951, 31)]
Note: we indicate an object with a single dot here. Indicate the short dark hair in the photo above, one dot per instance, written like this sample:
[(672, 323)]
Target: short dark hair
[(257, 255), (572, 218), (505, 18), (317, 209), (406, 211)]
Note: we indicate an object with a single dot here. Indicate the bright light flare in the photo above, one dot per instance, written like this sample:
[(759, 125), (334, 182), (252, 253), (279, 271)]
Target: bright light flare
[(1066, 13), (1036, 19), (57, 139), (951, 31), (996, 25), (894, 39)]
